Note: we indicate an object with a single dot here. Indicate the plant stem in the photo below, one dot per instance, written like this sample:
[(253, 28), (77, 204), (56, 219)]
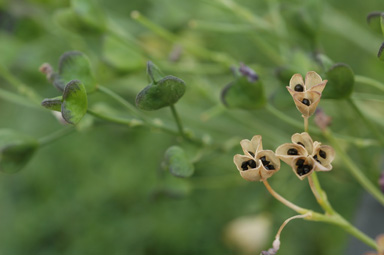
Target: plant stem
[(122, 121), (287, 119), (333, 218), (21, 87), (177, 120), (119, 99), (305, 124), (289, 204), (218, 57), (367, 122), (55, 136), (319, 193), (369, 81), (354, 170), (295, 123), (17, 99)]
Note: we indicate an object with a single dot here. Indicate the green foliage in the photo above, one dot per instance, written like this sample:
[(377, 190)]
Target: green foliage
[(341, 81), (75, 102), (53, 104), (374, 20), (74, 65), (84, 17), (177, 162), (117, 190), (244, 94), (15, 150), (162, 92)]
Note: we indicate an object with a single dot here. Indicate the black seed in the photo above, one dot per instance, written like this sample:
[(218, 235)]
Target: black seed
[(322, 154), (300, 162), (315, 157), (244, 165), (271, 167), (252, 163), (300, 170), (301, 144), (250, 152), (292, 151), (264, 161), (306, 102), (267, 167), (307, 169), (299, 88)]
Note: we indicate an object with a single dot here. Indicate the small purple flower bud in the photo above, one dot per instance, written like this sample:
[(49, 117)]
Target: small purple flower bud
[(248, 72), (381, 182)]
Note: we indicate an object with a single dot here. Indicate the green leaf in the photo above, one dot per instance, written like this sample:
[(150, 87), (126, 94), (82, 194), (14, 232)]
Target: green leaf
[(154, 73), (90, 12), (69, 20), (244, 94), (75, 102), (53, 104), (74, 65), (177, 163), (15, 150), (164, 93), (341, 80), (374, 21), (380, 54), (122, 55)]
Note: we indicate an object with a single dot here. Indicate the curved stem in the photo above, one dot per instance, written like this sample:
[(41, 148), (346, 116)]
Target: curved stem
[(177, 120), (283, 200), (118, 99), (218, 57), (300, 216), (21, 87), (55, 136), (369, 81), (369, 124), (355, 171), (333, 218), (319, 193)]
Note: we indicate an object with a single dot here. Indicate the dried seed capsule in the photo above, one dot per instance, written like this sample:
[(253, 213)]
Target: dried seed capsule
[(306, 102), (322, 154), (299, 143), (250, 152), (292, 151), (315, 158), (299, 88)]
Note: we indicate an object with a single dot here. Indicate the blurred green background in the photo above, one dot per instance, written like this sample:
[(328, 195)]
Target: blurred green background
[(101, 190)]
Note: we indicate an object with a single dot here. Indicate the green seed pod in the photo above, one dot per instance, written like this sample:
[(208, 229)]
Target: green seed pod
[(244, 94), (374, 20), (75, 102), (162, 92), (53, 104), (176, 161), (15, 150), (74, 65), (380, 54), (341, 81)]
